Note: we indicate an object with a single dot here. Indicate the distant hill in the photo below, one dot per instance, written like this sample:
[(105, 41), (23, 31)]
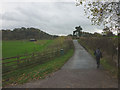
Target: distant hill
[(25, 33)]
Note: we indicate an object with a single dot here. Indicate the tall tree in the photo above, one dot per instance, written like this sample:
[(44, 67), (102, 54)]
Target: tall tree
[(101, 12), (78, 31)]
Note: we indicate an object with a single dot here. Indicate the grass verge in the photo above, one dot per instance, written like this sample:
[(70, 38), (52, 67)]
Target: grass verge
[(38, 71), (107, 67)]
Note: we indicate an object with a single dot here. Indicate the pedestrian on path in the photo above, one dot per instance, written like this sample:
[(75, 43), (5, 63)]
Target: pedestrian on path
[(98, 55)]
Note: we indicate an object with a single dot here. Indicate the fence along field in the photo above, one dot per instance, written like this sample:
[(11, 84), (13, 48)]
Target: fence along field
[(13, 65)]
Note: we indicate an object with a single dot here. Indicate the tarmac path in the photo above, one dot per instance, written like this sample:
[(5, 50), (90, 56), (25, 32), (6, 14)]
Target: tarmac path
[(79, 72)]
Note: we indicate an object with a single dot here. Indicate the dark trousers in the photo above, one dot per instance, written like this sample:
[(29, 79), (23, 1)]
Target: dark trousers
[(98, 61)]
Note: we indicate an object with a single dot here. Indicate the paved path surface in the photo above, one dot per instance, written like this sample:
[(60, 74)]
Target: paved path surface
[(79, 72)]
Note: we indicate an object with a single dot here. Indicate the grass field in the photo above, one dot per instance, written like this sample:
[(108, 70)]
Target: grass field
[(15, 48), (37, 70)]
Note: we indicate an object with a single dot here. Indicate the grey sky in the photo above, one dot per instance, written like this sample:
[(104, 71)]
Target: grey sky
[(59, 18)]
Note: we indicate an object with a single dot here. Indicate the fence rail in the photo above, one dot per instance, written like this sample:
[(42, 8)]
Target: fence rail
[(19, 62)]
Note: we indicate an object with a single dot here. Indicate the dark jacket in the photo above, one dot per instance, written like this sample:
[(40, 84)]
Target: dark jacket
[(98, 53)]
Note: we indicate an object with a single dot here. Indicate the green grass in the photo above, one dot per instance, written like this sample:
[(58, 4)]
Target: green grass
[(38, 71), (15, 48), (109, 68)]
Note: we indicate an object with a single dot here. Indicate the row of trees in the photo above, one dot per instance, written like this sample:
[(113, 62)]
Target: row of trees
[(78, 33), (25, 33), (87, 34)]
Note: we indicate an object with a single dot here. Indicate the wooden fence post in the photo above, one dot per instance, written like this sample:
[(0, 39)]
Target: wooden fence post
[(18, 62)]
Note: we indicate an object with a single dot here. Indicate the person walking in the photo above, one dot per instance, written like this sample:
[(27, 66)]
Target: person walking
[(98, 55)]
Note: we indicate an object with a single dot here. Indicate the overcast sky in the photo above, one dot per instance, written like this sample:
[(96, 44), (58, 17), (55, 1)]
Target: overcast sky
[(59, 18)]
